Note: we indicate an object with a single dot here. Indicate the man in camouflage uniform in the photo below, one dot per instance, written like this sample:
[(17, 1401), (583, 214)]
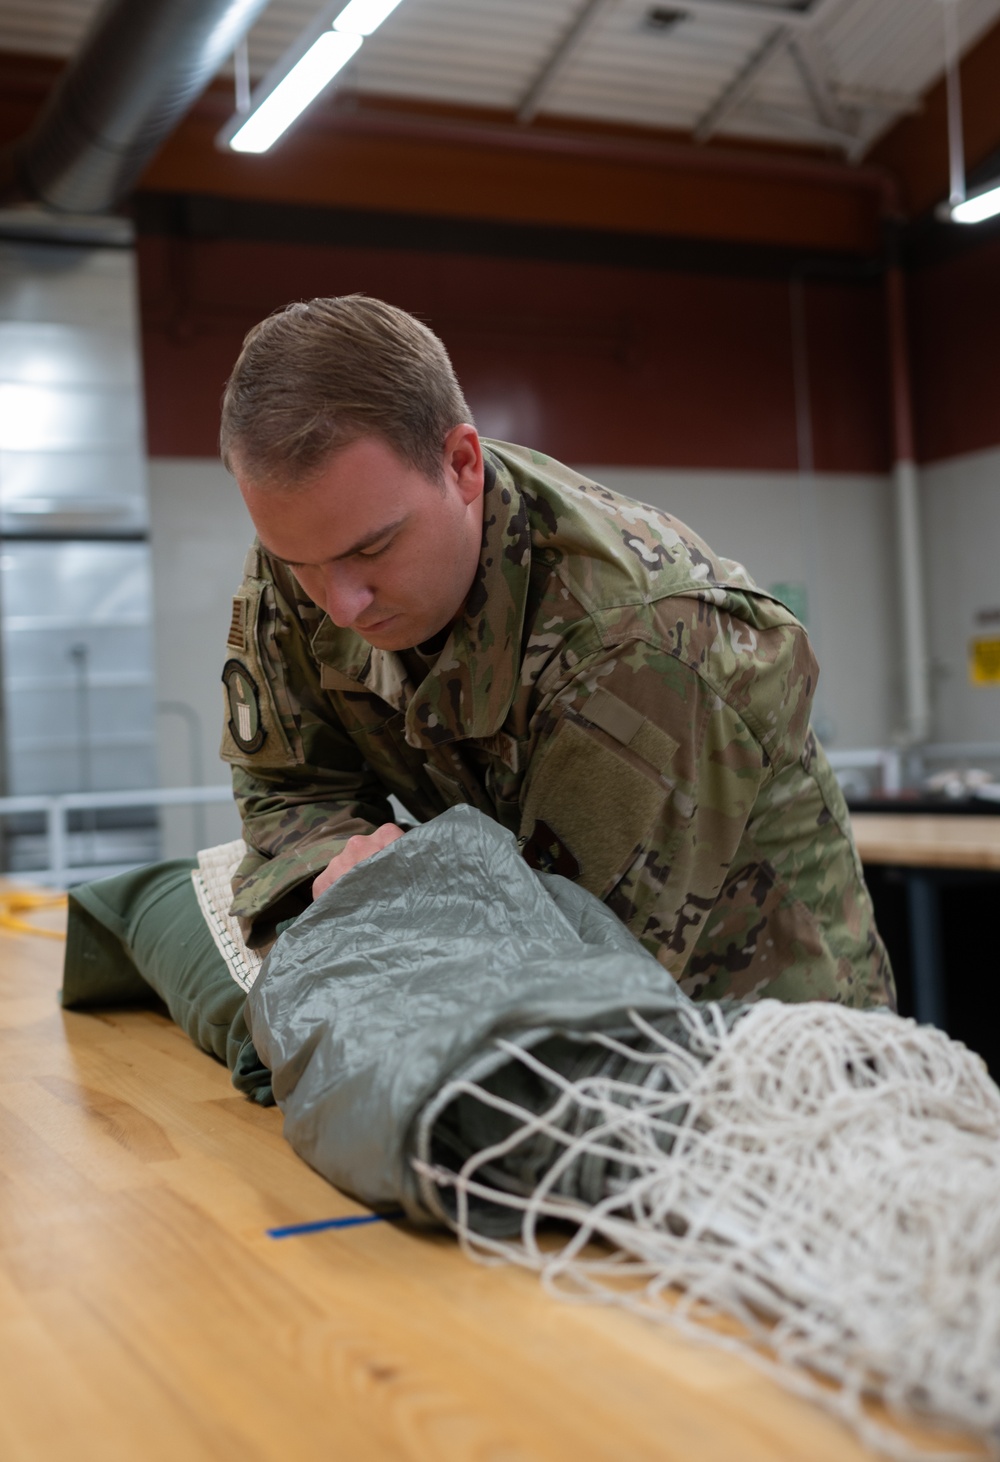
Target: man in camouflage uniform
[(454, 621)]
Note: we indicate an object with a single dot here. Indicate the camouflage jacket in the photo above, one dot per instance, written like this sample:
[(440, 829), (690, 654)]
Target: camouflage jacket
[(633, 707)]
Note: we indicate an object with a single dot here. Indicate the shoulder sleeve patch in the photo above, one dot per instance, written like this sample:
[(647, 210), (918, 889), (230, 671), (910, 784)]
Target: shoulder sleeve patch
[(243, 695)]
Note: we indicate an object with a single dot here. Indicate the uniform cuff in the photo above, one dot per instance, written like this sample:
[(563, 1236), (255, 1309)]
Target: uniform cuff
[(269, 890)]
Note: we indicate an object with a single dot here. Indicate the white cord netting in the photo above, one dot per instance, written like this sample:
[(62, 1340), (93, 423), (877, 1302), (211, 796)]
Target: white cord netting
[(830, 1180)]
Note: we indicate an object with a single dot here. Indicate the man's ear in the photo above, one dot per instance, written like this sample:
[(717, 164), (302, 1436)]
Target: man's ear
[(463, 461)]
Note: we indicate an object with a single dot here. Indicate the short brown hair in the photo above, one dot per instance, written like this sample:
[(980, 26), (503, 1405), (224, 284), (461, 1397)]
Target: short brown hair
[(319, 374)]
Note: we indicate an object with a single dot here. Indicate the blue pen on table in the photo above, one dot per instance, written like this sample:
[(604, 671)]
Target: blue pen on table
[(354, 1220)]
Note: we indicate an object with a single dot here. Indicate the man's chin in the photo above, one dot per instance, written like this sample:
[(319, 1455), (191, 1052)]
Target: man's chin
[(395, 632), (399, 632)]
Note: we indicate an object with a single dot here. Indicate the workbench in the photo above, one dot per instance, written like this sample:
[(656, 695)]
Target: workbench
[(929, 850), (146, 1314)]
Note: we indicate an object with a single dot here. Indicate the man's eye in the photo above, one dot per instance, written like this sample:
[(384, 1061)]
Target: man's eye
[(374, 551)]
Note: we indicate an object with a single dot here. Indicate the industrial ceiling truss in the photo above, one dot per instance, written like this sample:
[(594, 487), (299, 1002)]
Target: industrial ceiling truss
[(830, 73)]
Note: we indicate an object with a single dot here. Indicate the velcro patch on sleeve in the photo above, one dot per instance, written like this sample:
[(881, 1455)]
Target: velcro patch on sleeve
[(589, 803), (630, 727)]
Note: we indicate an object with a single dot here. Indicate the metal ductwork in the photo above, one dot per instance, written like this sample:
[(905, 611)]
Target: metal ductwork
[(138, 69)]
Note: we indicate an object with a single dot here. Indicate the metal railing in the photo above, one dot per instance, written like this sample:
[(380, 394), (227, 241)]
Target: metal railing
[(61, 870), (887, 762)]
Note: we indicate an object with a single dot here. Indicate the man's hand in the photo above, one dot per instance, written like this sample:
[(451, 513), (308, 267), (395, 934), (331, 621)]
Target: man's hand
[(356, 850)]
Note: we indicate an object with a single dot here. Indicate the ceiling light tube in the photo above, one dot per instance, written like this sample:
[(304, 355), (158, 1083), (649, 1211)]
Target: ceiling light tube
[(361, 17), (327, 55), (977, 208)]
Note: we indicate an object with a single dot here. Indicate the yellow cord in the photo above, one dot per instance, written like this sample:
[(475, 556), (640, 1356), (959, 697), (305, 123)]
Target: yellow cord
[(14, 902)]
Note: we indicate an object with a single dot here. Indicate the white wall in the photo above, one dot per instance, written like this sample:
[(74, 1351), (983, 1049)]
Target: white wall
[(200, 532), (961, 504), (834, 536)]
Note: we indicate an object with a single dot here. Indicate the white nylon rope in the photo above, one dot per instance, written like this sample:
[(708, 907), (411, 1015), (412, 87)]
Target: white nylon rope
[(831, 1180)]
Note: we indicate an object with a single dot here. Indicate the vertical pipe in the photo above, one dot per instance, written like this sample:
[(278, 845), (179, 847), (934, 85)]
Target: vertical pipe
[(800, 374), (80, 655), (241, 75), (809, 528), (56, 815), (912, 591)]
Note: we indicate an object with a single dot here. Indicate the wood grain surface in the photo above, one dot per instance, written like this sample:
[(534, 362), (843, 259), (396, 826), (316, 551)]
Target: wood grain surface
[(146, 1315), (934, 840)]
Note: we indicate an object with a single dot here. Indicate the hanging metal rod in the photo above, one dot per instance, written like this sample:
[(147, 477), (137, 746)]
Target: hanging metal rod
[(953, 85)]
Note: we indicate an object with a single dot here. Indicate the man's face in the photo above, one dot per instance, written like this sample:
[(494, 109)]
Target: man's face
[(382, 549)]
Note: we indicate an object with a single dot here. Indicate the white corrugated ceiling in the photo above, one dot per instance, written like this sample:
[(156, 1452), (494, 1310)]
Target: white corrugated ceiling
[(835, 72)]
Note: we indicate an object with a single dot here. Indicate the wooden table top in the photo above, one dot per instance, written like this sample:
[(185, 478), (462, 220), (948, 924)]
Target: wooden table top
[(145, 1314), (931, 840)]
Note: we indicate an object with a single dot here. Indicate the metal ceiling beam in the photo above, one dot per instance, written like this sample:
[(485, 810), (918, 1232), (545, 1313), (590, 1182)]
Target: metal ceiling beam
[(779, 40), (741, 85), (799, 20), (808, 128), (630, 151), (533, 99), (812, 69), (869, 99)]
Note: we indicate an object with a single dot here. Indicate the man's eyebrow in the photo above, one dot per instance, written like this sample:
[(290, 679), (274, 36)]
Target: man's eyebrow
[(358, 547)]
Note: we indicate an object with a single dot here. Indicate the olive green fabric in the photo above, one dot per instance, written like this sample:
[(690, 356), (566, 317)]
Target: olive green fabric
[(141, 935)]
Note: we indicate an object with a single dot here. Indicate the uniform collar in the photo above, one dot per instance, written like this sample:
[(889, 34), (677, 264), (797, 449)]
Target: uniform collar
[(470, 687)]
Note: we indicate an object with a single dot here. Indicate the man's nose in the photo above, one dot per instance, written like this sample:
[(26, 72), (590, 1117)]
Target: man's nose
[(346, 595)]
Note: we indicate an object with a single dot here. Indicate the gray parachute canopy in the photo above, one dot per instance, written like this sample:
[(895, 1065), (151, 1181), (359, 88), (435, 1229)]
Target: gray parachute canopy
[(406, 972)]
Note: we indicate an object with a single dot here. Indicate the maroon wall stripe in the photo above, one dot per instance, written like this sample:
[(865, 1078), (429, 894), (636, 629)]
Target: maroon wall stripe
[(590, 362), (954, 317), (605, 363)]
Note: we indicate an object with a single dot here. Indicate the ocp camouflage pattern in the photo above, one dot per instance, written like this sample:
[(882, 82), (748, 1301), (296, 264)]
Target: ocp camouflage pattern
[(632, 706)]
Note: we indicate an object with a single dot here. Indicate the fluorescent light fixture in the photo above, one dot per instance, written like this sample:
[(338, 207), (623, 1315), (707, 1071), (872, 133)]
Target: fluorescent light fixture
[(960, 208), (361, 17), (977, 208), (307, 78)]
